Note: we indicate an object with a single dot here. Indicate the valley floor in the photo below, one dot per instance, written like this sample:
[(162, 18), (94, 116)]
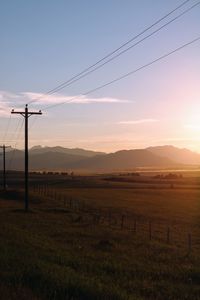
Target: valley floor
[(100, 243)]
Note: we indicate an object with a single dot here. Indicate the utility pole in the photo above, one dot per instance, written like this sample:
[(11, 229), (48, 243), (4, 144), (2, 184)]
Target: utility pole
[(4, 165), (26, 114)]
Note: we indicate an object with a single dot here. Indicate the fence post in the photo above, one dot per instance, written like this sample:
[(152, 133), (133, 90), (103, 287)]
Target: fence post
[(42, 190), (46, 188)]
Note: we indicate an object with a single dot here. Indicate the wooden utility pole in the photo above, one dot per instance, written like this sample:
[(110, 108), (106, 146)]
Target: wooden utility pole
[(26, 114), (4, 165)]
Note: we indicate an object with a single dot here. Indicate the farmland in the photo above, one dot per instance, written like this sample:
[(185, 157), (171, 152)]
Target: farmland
[(101, 237)]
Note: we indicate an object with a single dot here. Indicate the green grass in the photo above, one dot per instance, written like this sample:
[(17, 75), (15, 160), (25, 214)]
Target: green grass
[(48, 254)]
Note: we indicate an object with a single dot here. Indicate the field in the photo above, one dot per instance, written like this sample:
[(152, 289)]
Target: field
[(101, 237)]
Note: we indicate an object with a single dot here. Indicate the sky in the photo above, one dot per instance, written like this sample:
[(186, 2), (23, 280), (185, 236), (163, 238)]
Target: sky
[(45, 43)]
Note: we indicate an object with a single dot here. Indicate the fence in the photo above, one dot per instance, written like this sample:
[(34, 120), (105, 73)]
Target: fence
[(116, 220)]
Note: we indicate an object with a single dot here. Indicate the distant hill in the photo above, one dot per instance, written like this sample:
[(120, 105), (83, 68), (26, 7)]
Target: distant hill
[(74, 151), (44, 161), (182, 156), (53, 161), (121, 160), (124, 160), (64, 159)]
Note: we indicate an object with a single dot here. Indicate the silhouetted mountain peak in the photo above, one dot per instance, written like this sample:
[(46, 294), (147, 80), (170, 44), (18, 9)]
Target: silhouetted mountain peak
[(180, 155), (60, 158), (58, 149), (36, 147)]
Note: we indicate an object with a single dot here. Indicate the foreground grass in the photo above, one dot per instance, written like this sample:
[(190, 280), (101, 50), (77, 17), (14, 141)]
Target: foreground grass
[(47, 254)]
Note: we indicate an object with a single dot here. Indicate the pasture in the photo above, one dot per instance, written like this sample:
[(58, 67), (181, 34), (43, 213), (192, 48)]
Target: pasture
[(101, 237)]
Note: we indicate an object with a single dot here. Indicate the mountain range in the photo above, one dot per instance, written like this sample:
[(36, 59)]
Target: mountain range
[(65, 159)]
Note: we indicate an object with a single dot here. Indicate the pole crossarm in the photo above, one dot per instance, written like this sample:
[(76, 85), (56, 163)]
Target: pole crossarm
[(26, 114), (5, 147), (29, 113)]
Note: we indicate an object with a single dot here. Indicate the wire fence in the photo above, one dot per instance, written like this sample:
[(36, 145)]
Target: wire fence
[(116, 219)]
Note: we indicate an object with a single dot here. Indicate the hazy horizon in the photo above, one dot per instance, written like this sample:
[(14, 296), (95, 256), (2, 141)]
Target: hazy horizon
[(107, 152), (159, 105)]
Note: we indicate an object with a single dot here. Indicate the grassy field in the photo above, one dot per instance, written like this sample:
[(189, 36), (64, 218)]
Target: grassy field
[(60, 250)]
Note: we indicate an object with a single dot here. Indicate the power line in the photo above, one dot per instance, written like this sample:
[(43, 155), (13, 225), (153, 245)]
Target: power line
[(7, 128), (76, 77), (127, 74), (127, 49), (33, 122), (18, 133), (15, 132)]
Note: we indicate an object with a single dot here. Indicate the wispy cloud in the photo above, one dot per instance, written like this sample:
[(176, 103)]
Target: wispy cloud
[(135, 122), (8, 97), (59, 98), (9, 100)]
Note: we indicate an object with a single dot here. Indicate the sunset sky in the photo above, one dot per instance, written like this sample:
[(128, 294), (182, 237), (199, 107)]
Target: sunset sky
[(44, 43)]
